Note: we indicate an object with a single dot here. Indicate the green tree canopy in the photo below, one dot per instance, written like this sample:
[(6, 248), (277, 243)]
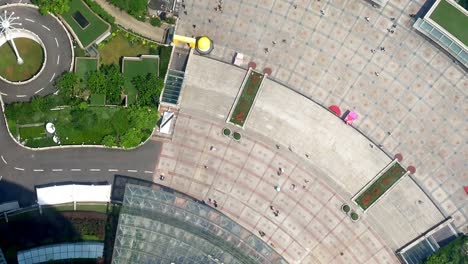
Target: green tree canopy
[(149, 88), (108, 81), (132, 138), (456, 252), (136, 8), (67, 83), (57, 7)]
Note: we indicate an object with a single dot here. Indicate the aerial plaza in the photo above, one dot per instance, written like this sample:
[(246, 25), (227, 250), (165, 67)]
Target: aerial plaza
[(233, 132)]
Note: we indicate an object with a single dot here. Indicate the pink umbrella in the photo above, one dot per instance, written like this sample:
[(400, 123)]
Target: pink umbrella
[(349, 119), (335, 109)]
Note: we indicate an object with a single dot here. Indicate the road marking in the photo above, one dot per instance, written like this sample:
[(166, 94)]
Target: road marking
[(20, 95), (30, 20), (4, 161), (53, 75), (46, 27), (20, 169), (149, 172), (58, 59), (95, 170), (38, 170), (75, 169), (38, 91), (57, 169), (56, 41), (113, 170), (132, 170), (3, 94)]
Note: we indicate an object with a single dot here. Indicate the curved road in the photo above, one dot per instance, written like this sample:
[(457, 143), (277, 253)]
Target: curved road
[(25, 168), (29, 168), (59, 54)]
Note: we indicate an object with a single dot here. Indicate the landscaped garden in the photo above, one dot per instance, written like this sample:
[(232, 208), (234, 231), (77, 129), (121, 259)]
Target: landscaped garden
[(78, 123), (33, 57), (31, 229), (246, 98), (86, 25), (380, 186), (85, 65), (452, 20), (455, 252), (133, 68)]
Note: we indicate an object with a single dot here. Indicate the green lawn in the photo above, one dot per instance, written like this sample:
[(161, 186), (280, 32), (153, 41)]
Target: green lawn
[(32, 132), (32, 55), (452, 20), (90, 33), (133, 68), (118, 47), (84, 65), (98, 99), (246, 98), (380, 186)]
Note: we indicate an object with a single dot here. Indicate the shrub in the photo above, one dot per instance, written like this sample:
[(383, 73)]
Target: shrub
[(155, 21), (170, 20), (108, 141), (236, 136), (227, 132), (345, 208), (354, 216), (56, 7)]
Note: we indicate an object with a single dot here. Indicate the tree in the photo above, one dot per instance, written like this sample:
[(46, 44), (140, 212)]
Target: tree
[(155, 22), (455, 252), (57, 7), (132, 138), (108, 81), (149, 88), (96, 82), (67, 83), (114, 82), (142, 117), (120, 122), (136, 8)]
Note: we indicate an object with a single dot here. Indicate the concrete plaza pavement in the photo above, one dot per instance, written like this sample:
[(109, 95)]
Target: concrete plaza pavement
[(411, 96), (241, 176)]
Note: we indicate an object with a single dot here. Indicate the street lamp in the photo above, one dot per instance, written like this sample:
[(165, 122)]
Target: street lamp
[(7, 25)]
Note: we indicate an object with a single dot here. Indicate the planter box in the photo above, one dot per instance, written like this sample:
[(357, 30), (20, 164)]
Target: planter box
[(371, 193)]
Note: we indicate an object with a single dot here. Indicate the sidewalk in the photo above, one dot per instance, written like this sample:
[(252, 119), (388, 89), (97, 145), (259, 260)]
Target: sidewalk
[(129, 22)]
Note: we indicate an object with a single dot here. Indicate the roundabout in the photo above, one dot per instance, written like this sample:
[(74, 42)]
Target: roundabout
[(22, 81), (14, 72)]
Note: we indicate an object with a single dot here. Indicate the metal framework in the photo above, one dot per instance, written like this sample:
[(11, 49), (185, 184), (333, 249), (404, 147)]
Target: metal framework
[(156, 226)]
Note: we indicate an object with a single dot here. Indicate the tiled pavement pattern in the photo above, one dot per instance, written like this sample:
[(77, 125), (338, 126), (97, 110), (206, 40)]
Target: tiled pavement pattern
[(310, 226), (417, 105), (243, 174)]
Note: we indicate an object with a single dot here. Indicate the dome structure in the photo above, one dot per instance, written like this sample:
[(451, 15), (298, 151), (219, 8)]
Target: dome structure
[(204, 45)]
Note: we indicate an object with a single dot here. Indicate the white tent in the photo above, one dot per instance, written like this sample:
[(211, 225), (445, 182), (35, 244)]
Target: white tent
[(73, 193)]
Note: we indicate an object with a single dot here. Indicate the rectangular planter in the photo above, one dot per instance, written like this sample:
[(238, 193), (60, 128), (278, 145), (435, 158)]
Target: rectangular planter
[(382, 184), (246, 98)]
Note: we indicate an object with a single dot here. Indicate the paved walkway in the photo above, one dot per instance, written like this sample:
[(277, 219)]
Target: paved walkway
[(409, 94), (128, 22)]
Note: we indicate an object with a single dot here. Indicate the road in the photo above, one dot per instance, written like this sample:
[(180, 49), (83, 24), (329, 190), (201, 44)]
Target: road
[(59, 54), (22, 169), (26, 168)]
